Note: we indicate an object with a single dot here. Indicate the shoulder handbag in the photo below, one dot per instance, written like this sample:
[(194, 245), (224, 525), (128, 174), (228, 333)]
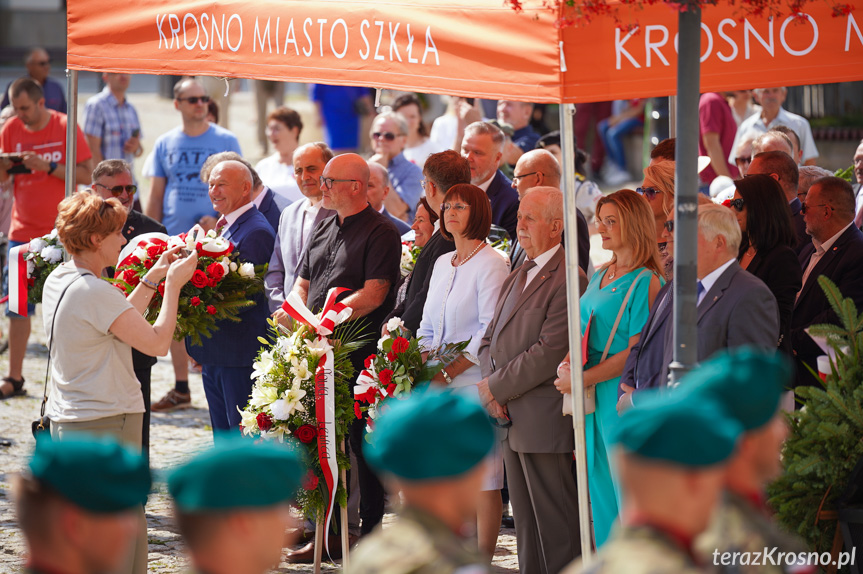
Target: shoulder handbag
[(590, 392), (42, 426)]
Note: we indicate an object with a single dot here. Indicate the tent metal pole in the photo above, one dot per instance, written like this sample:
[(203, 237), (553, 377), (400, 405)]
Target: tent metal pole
[(71, 130), (570, 230), (685, 354), (672, 115)]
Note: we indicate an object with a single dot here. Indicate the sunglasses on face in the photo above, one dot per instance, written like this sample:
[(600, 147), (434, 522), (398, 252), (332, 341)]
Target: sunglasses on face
[(648, 192), (328, 181), (195, 99), (389, 136), (118, 190), (737, 203), (669, 226), (804, 208)]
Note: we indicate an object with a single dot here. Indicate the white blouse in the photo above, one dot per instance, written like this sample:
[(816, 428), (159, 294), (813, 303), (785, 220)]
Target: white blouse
[(279, 177), (460, 304)]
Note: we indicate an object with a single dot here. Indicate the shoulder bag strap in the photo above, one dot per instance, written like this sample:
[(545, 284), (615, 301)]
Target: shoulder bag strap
[(620, 315), (50, 344)]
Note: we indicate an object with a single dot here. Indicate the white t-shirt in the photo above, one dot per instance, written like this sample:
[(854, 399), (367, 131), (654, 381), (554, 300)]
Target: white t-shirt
[(279, 177), (419, 154), (91, 370)]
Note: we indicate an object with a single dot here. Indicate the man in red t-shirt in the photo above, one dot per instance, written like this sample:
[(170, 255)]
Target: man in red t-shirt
[(37, 136), (717, 129)]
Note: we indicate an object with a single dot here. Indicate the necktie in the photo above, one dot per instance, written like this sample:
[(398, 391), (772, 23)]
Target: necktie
[(699, 292), (517, 289), (220, 225)]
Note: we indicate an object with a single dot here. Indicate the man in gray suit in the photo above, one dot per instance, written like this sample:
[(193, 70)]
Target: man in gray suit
[(735, 308), (296, 223), (524, 343)]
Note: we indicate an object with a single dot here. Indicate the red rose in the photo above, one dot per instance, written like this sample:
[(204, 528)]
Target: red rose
[(134, 260), (211, 310), (400, 345), (727, 203), (162, 288), (148, 263), (130, 277), (306, 434), (391, 357), (215, 271), (370, 360), (154, 251), (310, 482), (32, 281), (195, 301), (117, 285), (265, 421), (386, 377), (358, 411), (391, 388), (199, 279)]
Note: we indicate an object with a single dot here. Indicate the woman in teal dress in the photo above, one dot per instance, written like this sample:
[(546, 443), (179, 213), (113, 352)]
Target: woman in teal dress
[(624, 220)]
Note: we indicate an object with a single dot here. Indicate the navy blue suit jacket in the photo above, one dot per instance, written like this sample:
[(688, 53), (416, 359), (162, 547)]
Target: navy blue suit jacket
[(799, 225), (504, 203), (272, 206), (842, 264), (236, 344), (645, 362)]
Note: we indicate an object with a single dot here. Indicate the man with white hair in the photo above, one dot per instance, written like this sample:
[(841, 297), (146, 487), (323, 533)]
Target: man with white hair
[(773, 114), (389, 136), (735, 308), (808, 175), (772, 140)]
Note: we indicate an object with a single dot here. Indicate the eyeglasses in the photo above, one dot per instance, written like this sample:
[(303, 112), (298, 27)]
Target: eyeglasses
[(389, 136), (739, 160), (737, 203), (118, 190), (806, 207), (515, 178), (328, 181), (424, 183), (195, 99), (648, 192), (606, 222), (669, 226), (453, 206)]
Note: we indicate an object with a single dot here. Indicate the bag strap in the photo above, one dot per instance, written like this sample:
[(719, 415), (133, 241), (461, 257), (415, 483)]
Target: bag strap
[(50, 344), (620, 314)]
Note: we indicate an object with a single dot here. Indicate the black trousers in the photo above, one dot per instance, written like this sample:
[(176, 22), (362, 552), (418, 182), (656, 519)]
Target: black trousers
[(144, 378)]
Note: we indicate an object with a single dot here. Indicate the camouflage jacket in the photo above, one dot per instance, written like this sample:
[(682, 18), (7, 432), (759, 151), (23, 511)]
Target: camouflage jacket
[(416, 543)]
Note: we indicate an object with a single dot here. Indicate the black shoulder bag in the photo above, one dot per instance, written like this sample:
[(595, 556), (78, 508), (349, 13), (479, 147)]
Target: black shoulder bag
[(42, 426)]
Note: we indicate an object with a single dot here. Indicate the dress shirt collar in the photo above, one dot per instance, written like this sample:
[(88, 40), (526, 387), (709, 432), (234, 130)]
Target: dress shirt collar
[(231, 218), (782, 118), (111, 98), (485, 185), (708, 280), (544, 257), (260, 199), (824, 247)]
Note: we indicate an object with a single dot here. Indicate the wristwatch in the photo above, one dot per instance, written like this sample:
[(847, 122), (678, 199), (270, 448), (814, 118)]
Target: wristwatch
[(51, 167), (446, 376)]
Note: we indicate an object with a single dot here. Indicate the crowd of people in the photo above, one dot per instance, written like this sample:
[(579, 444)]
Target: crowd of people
[(322, 219)]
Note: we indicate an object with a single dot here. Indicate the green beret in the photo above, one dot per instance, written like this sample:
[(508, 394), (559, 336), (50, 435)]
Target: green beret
[(237, 473), (678, 429), (747, 382), (97, 474), (430, 435)]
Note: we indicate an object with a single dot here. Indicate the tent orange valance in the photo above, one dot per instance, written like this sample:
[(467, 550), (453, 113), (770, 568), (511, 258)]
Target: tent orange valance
[(473, 48)]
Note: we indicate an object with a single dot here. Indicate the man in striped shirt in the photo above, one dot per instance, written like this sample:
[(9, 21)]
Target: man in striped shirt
[(111, 122)]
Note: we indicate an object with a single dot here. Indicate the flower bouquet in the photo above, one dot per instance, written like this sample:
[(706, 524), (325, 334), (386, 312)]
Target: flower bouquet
[(410, 252), (301, 395), (392, 373), (42, 256), (220, 287)]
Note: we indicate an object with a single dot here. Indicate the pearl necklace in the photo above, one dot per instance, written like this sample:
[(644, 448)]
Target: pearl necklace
[(466, 259)]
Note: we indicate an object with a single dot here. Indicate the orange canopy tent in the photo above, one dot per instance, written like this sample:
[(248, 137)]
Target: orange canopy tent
[(475, 48)]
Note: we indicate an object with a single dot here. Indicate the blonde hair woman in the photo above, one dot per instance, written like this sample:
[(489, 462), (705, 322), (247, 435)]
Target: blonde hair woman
[(616, 304), (658, 190)]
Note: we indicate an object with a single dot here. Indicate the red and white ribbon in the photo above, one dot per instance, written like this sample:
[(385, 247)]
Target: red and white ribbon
[(18, 280), (332, 314)]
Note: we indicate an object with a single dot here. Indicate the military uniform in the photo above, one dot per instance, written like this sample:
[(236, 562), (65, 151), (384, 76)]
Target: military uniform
[(640, 549), (417, 542), (743, 525)]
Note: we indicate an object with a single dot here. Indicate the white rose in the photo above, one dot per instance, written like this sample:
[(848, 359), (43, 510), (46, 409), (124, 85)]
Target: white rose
[(215, 244), (233, 266), (53, 234), (395, 324), (190, 242), (52, 254), (381, 342), (141, 254), (226, 266), (211, 233), (37, 245), (31, 267), (247, 270)]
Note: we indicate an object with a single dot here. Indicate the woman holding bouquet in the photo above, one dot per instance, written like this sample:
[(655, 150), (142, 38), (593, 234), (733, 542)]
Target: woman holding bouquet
[(92, 327), (616, 304), (462, 295)]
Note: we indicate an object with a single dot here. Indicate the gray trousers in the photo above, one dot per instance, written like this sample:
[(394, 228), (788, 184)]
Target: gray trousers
[(544, 503), (127, 429)]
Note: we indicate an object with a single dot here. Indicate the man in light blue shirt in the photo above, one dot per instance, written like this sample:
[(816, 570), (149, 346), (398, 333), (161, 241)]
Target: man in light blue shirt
[(389, 135)]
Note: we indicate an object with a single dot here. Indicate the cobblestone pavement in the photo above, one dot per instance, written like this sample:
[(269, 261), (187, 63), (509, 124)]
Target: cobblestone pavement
[(173, 438)]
